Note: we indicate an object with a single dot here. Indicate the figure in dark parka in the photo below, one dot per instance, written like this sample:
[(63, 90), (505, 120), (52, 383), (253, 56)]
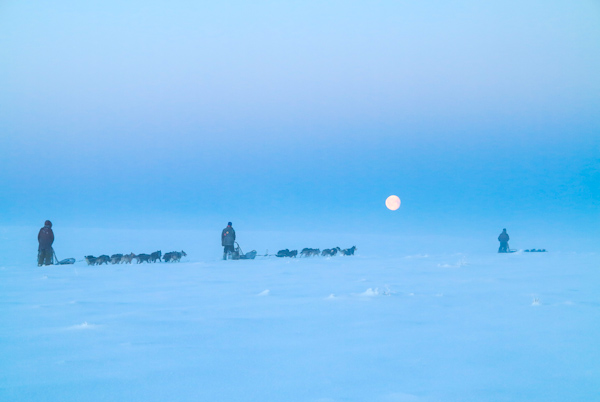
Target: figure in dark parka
[(45, 240), (503, 239), (228, 240)]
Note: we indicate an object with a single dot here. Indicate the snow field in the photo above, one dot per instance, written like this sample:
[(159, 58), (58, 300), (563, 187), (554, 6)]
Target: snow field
[(415, 327)]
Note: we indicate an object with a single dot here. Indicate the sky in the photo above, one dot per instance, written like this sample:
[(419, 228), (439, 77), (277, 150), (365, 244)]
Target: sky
[(301, 115)]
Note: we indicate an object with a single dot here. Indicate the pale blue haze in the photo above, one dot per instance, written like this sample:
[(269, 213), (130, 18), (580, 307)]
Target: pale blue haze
[(301, 115)]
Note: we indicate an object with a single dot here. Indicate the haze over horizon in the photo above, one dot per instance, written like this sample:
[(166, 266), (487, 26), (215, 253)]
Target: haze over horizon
[(301, 115)]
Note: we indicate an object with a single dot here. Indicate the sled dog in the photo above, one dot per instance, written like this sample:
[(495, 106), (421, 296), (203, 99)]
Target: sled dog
[(174, 256), (349, 251), (103, 259), (116, 258), (155, 256), (142, 258), (310, 252), (287, 253), (126, 259), (330, 252)]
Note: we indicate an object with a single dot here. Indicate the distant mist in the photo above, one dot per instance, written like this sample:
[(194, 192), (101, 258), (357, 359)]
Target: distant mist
[(301, 117)]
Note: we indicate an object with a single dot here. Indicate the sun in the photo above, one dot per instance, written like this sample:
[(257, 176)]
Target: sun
[(392, 202)]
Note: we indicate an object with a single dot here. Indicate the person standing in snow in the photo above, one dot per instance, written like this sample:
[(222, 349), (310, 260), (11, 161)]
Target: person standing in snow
[(228, 240), (45, 240), (503, 239)]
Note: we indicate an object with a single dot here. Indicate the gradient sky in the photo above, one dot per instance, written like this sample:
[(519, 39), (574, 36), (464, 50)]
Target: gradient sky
[(300, 114)]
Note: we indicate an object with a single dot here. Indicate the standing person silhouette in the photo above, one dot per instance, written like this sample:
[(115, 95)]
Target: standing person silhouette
[(45, 240), (503, 239), (228, 240)]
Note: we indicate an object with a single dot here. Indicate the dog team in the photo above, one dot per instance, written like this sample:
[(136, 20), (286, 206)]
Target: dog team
[(173, 256), (314, 252)]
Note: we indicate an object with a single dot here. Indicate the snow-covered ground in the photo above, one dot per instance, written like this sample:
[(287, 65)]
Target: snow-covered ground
[(403, 320)]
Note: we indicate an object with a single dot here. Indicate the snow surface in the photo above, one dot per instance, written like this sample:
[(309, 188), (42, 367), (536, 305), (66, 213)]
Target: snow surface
[(385, 325)]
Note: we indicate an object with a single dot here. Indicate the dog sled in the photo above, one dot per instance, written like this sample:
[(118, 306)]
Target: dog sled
[(66, 261), (238, 254)]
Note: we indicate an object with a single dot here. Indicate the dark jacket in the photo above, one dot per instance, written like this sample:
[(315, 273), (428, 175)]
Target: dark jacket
[(503, 237), (228, 236), (46, 237)]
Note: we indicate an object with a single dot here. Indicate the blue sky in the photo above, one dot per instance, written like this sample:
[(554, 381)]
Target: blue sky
[(301, 114)]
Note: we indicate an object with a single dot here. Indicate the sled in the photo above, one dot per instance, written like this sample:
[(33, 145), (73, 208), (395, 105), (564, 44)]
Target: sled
[(238, 254), (66, 261)]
